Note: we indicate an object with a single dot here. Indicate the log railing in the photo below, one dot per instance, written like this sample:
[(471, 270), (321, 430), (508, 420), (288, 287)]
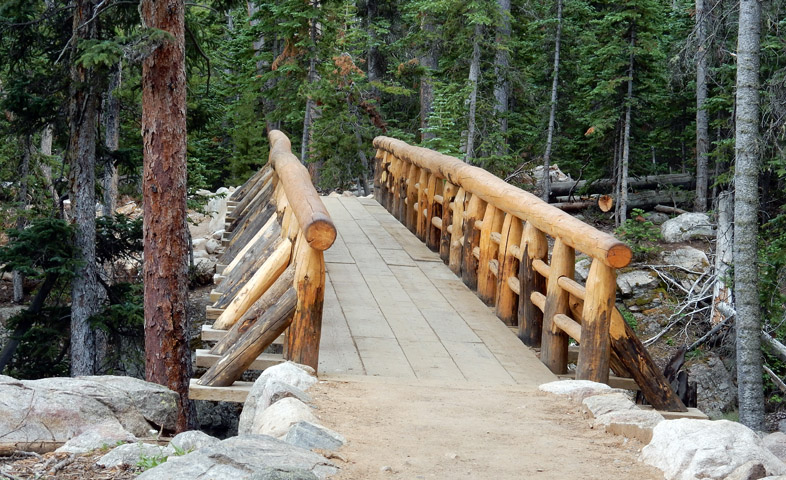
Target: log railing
[(273, 271), (496, 237)]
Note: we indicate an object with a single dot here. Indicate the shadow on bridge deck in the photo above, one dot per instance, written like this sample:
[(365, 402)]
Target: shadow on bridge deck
[(393, 309)]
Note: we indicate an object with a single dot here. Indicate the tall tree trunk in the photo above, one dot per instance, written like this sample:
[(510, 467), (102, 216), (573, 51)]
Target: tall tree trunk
[(702, 122), (21, 219), (374, 59), (724, 257), (501, 65), (746, 208), (168, 358), (46, 169), (111, 139), (82, 152), (553, 112), (308, 117), (623, 198), (429, 61), (474, 75)]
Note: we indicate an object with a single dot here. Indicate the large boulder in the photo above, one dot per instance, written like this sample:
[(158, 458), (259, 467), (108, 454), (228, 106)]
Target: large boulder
[(58, 409), (687, 227), (277, 419), (715, 387), (133, 454), (688, 258), (636, 281), (688, 449), (241, 458), (576, 390)]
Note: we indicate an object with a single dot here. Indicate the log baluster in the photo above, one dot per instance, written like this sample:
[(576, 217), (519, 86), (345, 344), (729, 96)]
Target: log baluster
[(448, 194), (554, 342), (469, 264), (457, 231), (401, 190), (420, 214), (594, 350), (431, 210), (487, 279), (379, 164), (412, 198), (510, 237), (533, 246), (306, 328)]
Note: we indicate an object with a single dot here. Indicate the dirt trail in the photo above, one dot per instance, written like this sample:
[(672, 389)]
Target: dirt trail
[(415, 430)]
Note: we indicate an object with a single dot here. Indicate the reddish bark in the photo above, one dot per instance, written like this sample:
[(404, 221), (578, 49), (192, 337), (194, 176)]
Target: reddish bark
[(167, 355)]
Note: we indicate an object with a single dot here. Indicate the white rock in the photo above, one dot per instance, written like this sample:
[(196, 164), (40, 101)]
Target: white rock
[(686, 227), (687, 257), (277, 419), (218, 234), (598, 405), (193, 440), (687, 449), (204, 193), (776, 443), (310, 436), (582, 269), (224, 191), (200, 254), (636, 279), (299, 376), (198, 243), (576, 390), (212, 245), (634, 423), (99, 436), (748, 471), (131, 453), (265, 392)]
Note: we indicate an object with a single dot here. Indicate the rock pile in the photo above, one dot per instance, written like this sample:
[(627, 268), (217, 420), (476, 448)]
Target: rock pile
[(683, 449)]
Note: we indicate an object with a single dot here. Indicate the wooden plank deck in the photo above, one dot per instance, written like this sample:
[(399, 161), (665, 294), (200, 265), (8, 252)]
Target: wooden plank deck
[(393, 309)]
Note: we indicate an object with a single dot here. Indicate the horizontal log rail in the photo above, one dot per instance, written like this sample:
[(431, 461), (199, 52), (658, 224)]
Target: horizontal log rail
[(496, 238), (273, 270)]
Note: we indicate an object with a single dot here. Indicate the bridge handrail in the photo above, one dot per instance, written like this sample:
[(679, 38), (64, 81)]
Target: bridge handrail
[(309, 210), (515, 201), (493, 235)]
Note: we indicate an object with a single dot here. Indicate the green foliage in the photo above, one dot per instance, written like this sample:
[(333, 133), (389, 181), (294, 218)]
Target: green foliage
[(641, 234), (99, 53), (630, 319), (44, 248), (42, 350)]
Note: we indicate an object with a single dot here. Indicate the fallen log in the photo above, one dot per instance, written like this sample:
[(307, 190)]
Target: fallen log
[(603, 185), (243, 353), (266, 301), (643, 200)]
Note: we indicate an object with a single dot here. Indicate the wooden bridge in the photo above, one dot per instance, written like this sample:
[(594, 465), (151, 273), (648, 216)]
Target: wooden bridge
[(384, 286)]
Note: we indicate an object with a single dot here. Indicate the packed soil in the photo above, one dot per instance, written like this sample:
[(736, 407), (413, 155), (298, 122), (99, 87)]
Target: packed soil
[(415, 430)]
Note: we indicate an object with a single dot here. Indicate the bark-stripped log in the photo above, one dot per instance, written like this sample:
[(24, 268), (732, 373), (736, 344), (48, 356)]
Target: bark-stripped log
[(469, 264), (533, 246), (318, 228), (508, 267), (457, 232), (515, 201), (253, 243), (266, 301), (594, 350), (306, 328), (256, 286), (554, 342), (230, 287), (487, 281), (243, 353)]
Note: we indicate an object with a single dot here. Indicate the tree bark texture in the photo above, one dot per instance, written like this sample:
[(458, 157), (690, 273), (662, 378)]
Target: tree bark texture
[(721, 293), (746, 208), (21, 219), (111, 139), (702, 120), (501, 65), (474, 75), (553, 112), (622, 202), (430, 61), (82, 154), (167, 355)]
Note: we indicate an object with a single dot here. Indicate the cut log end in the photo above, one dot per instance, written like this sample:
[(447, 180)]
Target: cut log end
[(320, 234), (619, 255), (605, 203)]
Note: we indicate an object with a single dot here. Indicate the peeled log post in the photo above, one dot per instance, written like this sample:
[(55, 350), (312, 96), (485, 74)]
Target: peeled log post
[(487, 282), (508, 267), (420, 216), (401, 190), (412, 198), (457, 232), (318, 228), (378, 184), (242, 354), (594, 350), (256, 286), (448, 193), (306, 329), (243, 266), (515, 201), (469, 264), (533, 246), (257, 310), (554, 342)]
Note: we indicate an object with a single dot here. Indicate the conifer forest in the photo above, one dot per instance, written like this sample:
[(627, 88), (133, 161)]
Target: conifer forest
[(615, 90)]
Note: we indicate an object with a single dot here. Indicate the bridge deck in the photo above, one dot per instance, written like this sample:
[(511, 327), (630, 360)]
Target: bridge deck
[(393, 309)]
